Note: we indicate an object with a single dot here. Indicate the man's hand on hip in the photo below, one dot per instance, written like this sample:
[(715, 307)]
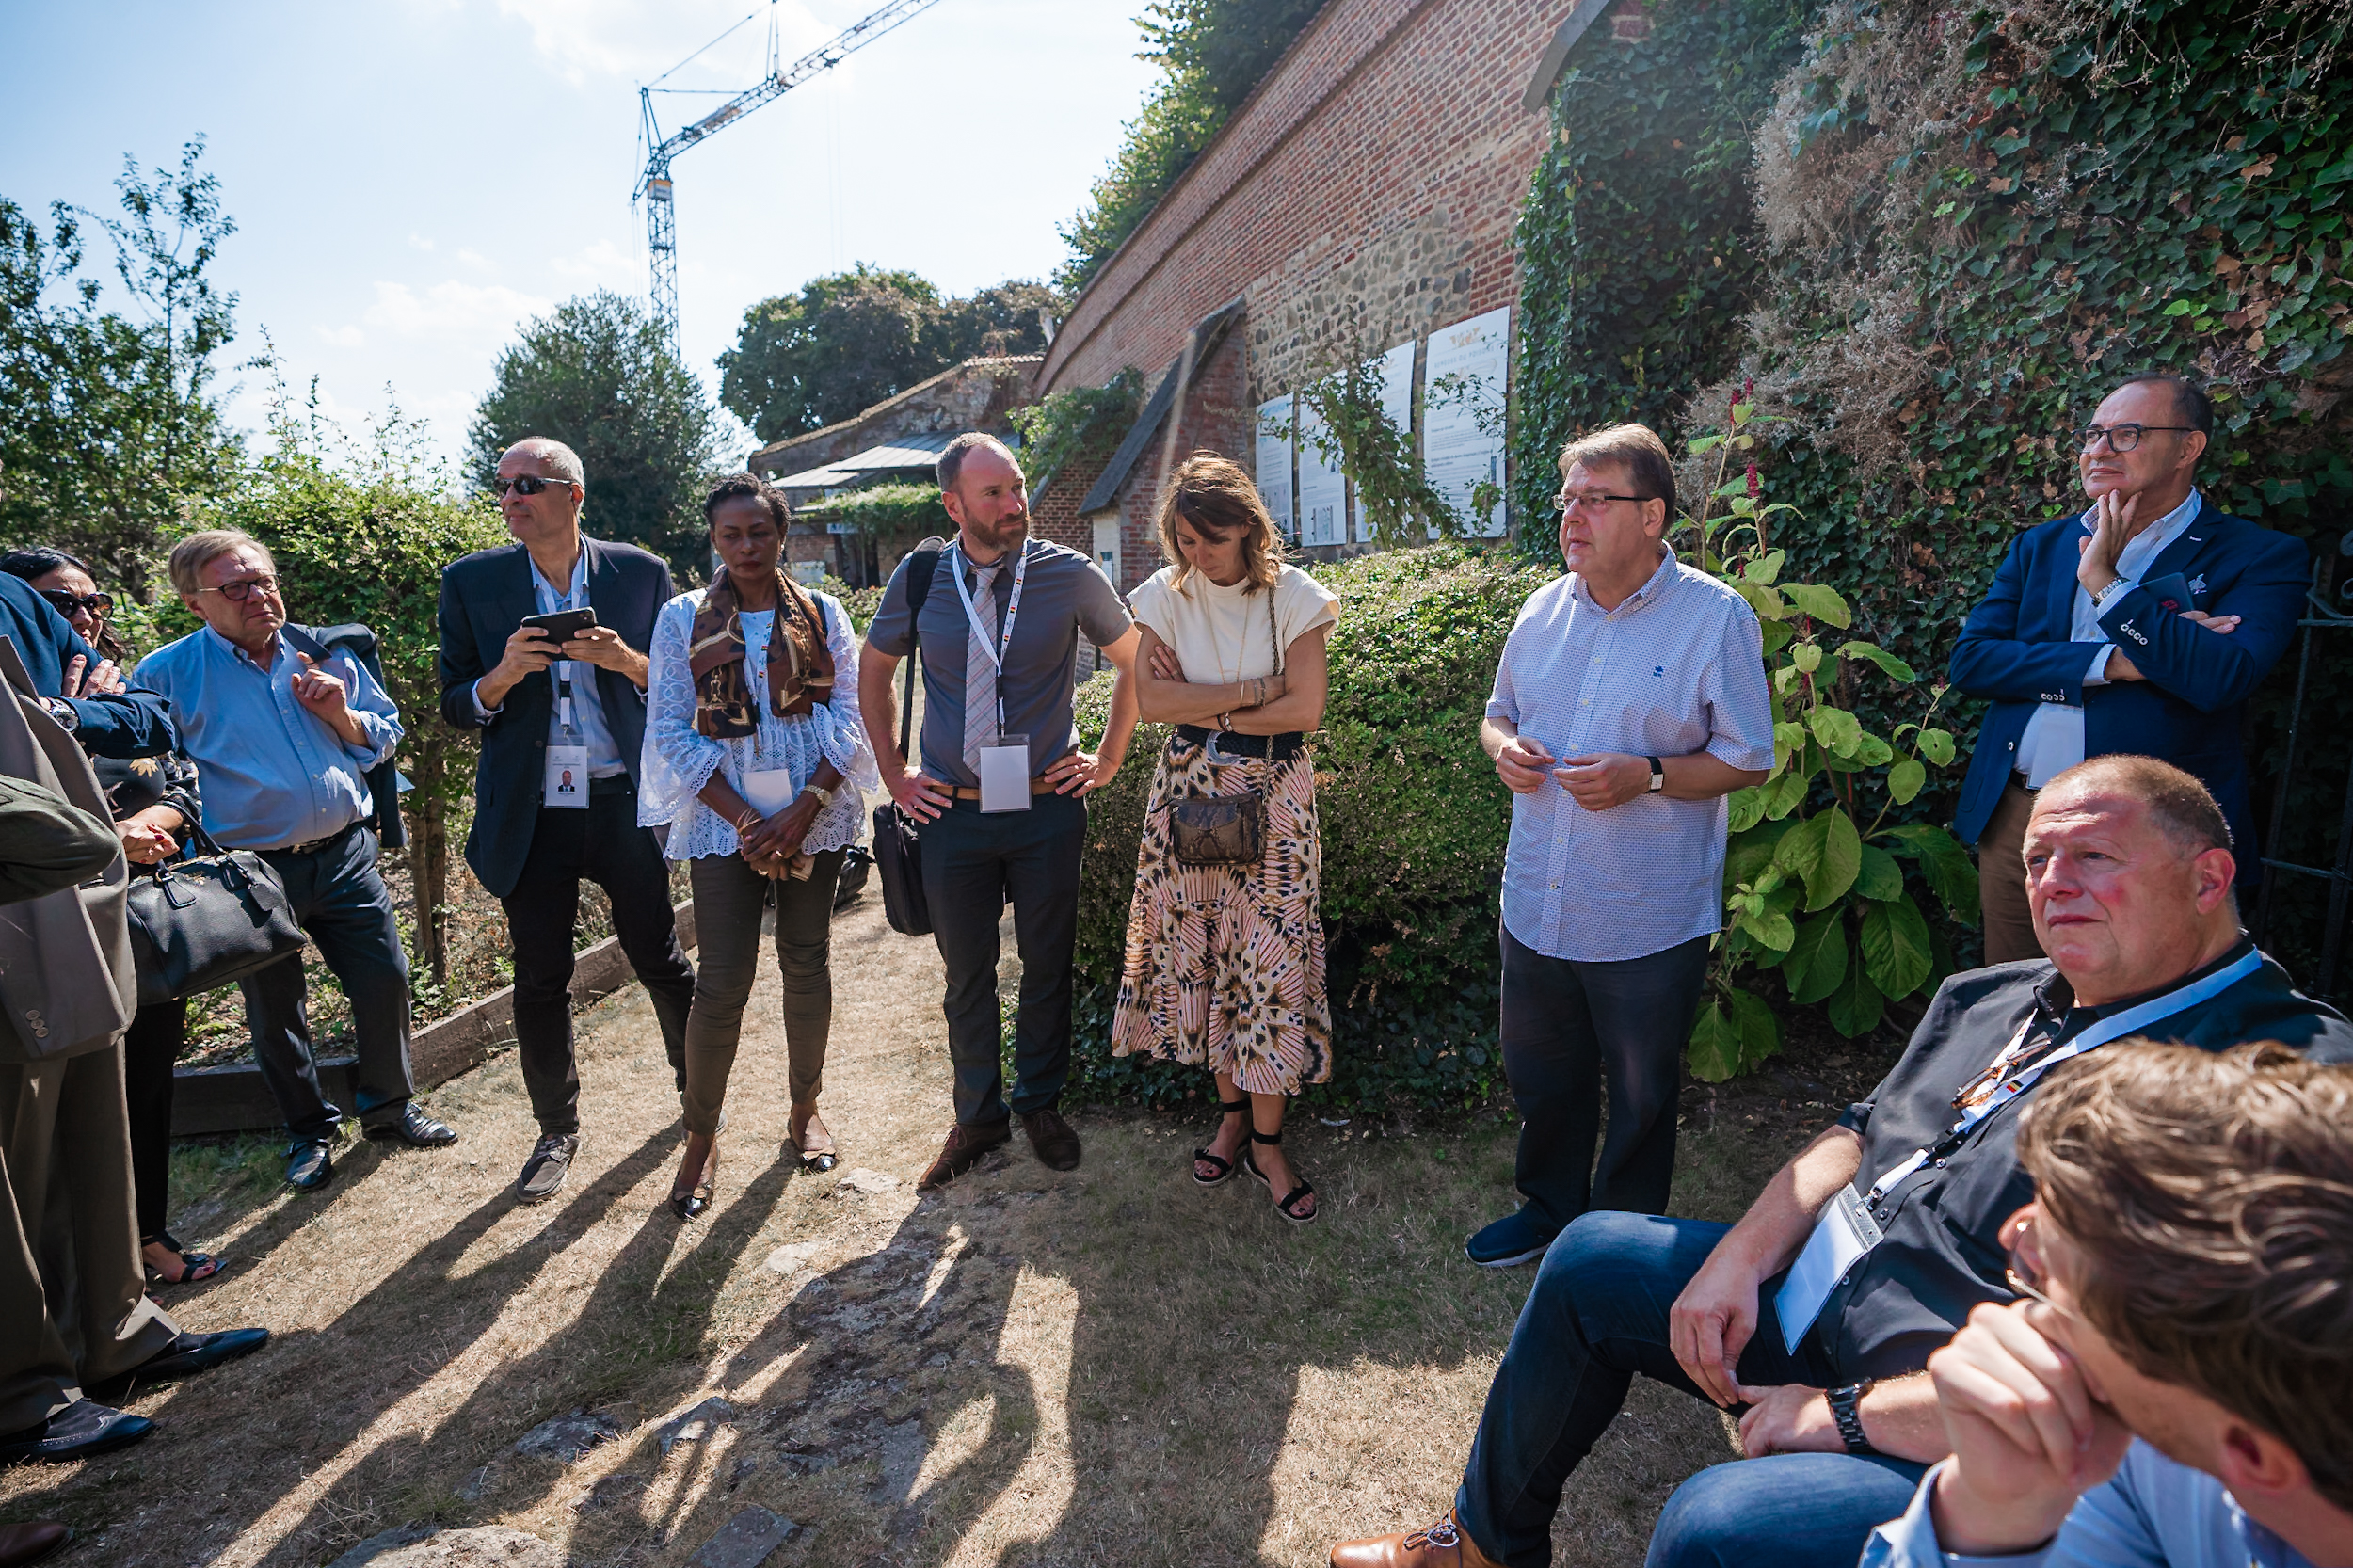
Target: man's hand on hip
[(917, 795), (1604, 779), (1789, 1418)]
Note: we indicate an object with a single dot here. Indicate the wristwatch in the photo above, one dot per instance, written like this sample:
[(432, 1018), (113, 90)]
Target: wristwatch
[(1657, 775), (63, 711), (1843, 1409), (824, 797), (2100, 601)]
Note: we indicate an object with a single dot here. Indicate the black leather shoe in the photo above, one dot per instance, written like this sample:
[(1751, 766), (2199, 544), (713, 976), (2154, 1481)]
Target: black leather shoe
[(310, 1164), (80, 1430), (185, 1356), (416, 1130), (21, 1546)]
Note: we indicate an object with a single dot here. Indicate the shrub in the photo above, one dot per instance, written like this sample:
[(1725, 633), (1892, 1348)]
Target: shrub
[(1413, 824)]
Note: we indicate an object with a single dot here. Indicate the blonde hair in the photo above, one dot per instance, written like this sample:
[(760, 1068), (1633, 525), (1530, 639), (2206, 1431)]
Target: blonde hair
[(1214, 496), (191, 555)]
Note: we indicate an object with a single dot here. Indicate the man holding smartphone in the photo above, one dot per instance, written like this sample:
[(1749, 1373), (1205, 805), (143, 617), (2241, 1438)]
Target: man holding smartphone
[(563, 700)]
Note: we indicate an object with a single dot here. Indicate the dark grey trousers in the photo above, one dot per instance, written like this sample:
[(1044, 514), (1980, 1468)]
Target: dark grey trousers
[(729, 900)]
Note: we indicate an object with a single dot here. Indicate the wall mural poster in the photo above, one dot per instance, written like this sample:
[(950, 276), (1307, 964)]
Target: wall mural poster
[(1275, 463), (1323, 488), (1465, 378), (1394, 373)]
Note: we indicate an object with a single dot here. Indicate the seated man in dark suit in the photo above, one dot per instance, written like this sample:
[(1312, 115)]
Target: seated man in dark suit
[(1815, 1315), (2081, 660), (549, 714)]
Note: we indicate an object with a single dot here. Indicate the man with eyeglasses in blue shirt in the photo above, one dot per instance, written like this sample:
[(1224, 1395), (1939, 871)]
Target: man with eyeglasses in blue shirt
[(284, 731)]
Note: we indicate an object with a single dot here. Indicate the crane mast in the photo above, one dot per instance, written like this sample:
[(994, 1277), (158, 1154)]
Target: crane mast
[(655, 185)]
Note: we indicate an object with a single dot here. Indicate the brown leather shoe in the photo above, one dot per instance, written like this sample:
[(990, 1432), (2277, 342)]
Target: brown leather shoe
[(962, 1151), (21, 1544), (1056, 1145), (1443, 1544)]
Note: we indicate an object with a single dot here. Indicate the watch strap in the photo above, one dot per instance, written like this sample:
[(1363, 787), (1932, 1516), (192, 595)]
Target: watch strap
[(1843, 1409), (1657, 775)]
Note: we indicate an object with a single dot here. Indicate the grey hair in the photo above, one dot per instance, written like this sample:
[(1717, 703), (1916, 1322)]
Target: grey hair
[(191, 555), (557, 456), (950, 466)]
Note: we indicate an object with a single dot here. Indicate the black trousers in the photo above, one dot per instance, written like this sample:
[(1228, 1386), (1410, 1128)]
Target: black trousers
[(1566, 1023), (972, 863), (605, 845), (151, 1046)]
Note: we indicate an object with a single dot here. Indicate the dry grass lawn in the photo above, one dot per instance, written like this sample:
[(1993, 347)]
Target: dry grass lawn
[(1104, 1366)]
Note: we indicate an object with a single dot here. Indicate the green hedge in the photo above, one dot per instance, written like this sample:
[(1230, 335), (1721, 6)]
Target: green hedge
[(1413, 824)]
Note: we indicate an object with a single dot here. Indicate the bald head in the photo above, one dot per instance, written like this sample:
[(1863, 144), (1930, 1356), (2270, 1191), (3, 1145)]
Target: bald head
[(555, 459)]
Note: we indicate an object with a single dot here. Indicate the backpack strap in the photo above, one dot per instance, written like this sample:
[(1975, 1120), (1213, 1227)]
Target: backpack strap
[(922, 566)]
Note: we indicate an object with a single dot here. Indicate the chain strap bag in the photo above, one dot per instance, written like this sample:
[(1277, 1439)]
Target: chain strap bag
[(1225, 830), (207, 920)]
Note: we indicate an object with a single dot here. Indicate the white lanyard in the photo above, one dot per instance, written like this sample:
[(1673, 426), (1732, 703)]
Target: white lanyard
[(562, 668), (2115, 1026), (1005, 634)]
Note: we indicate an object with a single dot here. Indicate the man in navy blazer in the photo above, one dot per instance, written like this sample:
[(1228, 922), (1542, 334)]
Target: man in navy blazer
[(549, 714), (2080, 659)]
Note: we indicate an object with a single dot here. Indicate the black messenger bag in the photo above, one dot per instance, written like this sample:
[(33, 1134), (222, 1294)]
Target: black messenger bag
[(898, 847), (207, 920)]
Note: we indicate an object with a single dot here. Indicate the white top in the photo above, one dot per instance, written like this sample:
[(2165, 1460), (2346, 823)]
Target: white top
[(2054, 741), (1677, 669), (678, 761), (1219, 634)]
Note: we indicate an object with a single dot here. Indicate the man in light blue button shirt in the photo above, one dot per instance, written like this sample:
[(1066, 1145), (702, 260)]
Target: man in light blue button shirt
[(284, 732), (1630, 700)]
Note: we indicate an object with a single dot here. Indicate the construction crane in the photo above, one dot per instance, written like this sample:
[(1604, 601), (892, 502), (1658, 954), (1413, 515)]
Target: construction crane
[(653, 186)]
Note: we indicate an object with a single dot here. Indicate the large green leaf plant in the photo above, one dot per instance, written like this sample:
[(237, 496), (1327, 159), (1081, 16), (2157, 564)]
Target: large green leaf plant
[(1818, 883)]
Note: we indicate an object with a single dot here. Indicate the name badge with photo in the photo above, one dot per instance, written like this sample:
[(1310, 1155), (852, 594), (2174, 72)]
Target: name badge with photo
[(568, 779), (1005, 774)]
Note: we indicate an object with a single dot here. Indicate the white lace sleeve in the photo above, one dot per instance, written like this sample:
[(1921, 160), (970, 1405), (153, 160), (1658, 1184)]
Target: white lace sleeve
[(840, 729), (677, 762)]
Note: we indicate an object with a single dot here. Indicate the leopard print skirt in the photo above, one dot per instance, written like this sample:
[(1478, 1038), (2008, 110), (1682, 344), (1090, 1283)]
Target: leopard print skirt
[(1224, 964)]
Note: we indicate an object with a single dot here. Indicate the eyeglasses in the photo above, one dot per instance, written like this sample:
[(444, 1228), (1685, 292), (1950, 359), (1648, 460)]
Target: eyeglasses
[(1591, 501), (244, 588), (527, 484), (2122, 438), (97, 604), (2025, 1276)]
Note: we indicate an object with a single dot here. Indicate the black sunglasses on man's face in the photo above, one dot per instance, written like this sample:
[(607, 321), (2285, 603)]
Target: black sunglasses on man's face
[(527, 484)]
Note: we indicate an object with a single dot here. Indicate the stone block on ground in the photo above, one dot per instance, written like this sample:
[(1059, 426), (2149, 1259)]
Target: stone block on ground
[(745, 1541), (567, 1438), (902, 1459), (695, 1423), (862, 1180), (431, 1547)]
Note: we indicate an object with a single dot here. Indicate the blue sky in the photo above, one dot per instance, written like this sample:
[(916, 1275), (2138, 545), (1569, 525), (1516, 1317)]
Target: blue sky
[(411, 179)]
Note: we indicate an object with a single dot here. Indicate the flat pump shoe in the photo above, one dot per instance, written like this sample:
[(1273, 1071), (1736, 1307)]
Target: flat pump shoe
[(811, 1142), (696, 1202)]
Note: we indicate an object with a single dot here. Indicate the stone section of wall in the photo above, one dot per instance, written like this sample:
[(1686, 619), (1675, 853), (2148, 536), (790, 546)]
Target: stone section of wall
[(1365, 195), (974, 395)]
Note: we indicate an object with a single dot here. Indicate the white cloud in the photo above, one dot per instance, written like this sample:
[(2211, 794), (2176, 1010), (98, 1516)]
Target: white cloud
[(420, 242), (602, 265), (476, 260), (342, 337), (452, 309), (627, 38)]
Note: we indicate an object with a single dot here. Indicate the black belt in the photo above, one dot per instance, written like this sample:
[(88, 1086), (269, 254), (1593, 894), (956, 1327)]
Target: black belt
[(1275, 748), (315, 845)]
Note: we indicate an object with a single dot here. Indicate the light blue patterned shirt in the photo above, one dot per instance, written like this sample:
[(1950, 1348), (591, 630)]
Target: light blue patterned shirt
[(1677, 669), (588, 727), (2152, 1514), (275, 772)]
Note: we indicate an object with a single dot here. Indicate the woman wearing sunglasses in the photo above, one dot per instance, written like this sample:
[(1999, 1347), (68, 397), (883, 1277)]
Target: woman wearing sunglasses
[(154, 799)]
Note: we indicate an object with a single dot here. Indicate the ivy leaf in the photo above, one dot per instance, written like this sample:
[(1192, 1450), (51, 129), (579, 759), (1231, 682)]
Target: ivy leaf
[(1760, 1032), (1818, 959), (1937, 746), (1896, 953), (1821, 603), (1906, 779), (1765, 567), (2180, 308), (1943, 865), (1880, 877), (1855, 1007), (1888, 664), (1747, 808), (1714, 1049)]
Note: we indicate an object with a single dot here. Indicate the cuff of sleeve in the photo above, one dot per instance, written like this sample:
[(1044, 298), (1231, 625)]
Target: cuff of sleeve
[(1501, 710), (480, 712), (2097, 674)]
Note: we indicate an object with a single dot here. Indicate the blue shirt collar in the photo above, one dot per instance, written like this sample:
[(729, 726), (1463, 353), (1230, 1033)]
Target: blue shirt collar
[(1652, 586), (221, 645), (580, 571)]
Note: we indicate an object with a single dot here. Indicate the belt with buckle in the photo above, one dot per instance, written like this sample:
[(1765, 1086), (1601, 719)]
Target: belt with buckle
[(1037, 787), (1275, 748), (313, 847)]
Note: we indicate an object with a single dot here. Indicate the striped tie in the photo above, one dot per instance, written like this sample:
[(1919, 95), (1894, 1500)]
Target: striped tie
[(980, 669)]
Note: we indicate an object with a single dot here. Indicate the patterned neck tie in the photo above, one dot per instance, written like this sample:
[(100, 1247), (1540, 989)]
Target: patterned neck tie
[(979, 669)]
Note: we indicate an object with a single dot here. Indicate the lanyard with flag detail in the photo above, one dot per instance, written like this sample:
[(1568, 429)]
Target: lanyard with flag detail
[(1004, 633)]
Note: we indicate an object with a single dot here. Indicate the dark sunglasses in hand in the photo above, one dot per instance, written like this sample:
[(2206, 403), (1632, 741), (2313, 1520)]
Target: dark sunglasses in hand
[(67, 603), (527, 484)]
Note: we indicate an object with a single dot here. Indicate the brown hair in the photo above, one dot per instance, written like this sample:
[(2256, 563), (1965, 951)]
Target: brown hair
[(1638, 450), (2211, 1197), (1214, 496), (2183, 808), (192, 554)]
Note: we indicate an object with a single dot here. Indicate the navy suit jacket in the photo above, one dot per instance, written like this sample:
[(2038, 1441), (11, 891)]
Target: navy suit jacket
[(2014, 649), (485, 596), (128, 723)]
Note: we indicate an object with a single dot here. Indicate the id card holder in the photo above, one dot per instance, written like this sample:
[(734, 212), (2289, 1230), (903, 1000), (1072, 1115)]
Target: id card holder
[(767, 791), (1005, 774), (566, 787), (1842, 1234)]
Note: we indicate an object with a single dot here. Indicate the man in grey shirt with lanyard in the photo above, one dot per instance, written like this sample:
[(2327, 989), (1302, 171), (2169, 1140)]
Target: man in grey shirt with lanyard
[(1815, 1315), (1001, 789)]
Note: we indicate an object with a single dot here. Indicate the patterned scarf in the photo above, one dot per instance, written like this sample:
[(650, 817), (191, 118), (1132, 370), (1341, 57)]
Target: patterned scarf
[(800, 666)]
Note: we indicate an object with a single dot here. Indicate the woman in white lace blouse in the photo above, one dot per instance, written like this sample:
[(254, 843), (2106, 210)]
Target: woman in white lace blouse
[(755, 760)]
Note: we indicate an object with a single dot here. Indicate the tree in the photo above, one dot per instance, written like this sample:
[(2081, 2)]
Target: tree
[(110, 430), (599, 375), (849, 340)]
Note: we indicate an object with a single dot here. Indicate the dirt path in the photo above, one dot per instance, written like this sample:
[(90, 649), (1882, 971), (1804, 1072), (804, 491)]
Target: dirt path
[(1104, 1366)]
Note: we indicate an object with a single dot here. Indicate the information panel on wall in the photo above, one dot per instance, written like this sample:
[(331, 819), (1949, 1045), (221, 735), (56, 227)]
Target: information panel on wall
[(1275, 463), (1393, 372), (1465, 376), (1323, 488)]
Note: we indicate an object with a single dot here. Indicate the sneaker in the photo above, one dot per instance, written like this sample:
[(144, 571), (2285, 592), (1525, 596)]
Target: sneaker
[(551, 1162), (1516, 1238)]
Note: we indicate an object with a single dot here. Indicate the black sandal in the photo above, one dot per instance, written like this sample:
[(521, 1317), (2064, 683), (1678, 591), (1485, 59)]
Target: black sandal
[(1203, 1156), (194, 1266), (1283, 1203)]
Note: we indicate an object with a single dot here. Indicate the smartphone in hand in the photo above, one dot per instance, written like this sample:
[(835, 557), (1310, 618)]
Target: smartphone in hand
[(564, 625)]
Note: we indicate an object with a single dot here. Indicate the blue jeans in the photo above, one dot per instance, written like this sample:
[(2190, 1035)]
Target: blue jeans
[(1597, 1316)]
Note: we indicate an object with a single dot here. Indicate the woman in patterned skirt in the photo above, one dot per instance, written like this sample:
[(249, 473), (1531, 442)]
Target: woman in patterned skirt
[(1226, 960)]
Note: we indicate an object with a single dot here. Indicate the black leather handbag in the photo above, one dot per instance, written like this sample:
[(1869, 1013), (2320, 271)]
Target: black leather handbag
[(207, 919), (1225, 830), (898, 843)]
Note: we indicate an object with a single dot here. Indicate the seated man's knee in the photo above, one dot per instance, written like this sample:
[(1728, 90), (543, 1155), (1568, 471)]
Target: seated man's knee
[(1713, 1519)]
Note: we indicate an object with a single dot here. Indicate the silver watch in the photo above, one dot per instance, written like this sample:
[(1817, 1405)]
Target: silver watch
[(64, 712)]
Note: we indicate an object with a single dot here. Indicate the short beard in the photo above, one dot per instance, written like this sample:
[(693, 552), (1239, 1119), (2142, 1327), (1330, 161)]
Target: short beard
[(1009, 532)]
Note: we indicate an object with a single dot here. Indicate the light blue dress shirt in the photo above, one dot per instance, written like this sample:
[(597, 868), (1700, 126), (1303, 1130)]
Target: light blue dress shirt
[(275, 774), (2153, 1513), (588, 727), (1677, 669)]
